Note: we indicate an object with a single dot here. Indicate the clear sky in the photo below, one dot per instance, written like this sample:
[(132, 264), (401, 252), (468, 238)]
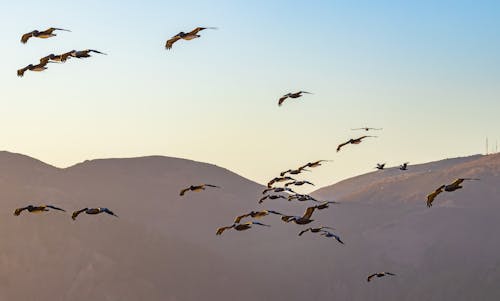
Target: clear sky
[(428, 72)]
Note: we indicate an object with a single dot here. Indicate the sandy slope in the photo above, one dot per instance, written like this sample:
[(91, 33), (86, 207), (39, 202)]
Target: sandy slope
[(163, 247)]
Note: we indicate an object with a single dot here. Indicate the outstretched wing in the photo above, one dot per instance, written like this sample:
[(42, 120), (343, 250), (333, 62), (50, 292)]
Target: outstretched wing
[(263, 199), (169, 43), (282, 99), (108, 212), (95, 51), (370, 277), (198, 29), (309, 211), (19, 210), (183, 191), (21, 71), (25, 37), (55, 208), (304, 231), (342, 145), (76, 213), (222, 229), (210, 185), (239, 218)]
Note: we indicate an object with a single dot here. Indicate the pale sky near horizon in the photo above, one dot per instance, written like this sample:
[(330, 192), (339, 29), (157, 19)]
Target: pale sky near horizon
[(428, 73)]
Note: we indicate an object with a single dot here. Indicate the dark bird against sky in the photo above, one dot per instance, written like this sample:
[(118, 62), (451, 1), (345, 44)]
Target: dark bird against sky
[(186, 36), (196, 188), (291, 95), (36, 209), (352, 141), (92, 211), (48, 33)]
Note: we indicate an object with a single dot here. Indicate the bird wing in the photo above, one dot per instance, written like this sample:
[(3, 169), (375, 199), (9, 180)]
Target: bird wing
[(283, 173), (55, 28), (183, 191), (239, 218), (388, 273), (457, 182), (370, 277), (290, 183), (222, 229), (19, 210), (282, 99), (309, 211), (25, 37), (55, 208), (169, 43), (95, 51), (196, 30), (76, 213), (342, 144), (262, 199), (46, 59), (210, 185), (21, 71), (304, 231), (108, 212)]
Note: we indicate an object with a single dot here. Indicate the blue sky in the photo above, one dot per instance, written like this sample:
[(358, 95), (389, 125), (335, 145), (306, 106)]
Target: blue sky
[(427, 72)]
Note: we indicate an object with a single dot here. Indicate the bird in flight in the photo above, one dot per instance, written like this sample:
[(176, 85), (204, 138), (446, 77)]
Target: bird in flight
[(293, 171), (305, 218), (352, 141), (301, 198), (279, 180), (239, 227), (84, 53), (314, 230), (92, 211), (456, 185), (35, 68), (36, 209), (278, 189), (378, 275), (298, 183), (404, 166), (186, 36), (291, 95), (332, 235), (314, 164), (434, 194), (60, 58), (48, 33), (367, 129), (196, 188), (271, 197), (380, 166), (255, 214)]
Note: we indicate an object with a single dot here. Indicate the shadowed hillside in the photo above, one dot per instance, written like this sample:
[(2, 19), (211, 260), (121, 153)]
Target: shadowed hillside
[(163, 246)]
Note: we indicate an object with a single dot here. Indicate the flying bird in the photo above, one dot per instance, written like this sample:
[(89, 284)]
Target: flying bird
[(293, 171), (404, 166), (84, 53), (305, 218), (378, 275), (36, 209), (367, 129), (255, 214), (456, 185), (331, 234), (278, 189), (48, 33), (271, 197), (196, 188), (352, 141), (315, 163), (239, 227), (279, 180), (298, 183), (380, 166), (60, 58), (186, 36), (35, 68), (314, 230), (434, 194), (291, 95), (92, 211)]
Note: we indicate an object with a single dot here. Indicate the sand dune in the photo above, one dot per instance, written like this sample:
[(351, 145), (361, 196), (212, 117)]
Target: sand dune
[(163, 247)]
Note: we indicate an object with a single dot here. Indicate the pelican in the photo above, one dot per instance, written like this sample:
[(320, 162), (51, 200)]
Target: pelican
[(92, 211), (456, 185), (36, 209), (331, 234), (353, 141), (434, 194), (315, 164), (404, 166), (378, 275), (36, 68), (255, 214), (84, 53), (298, 183), (291, 95), (279, 180), (380, 166), (196, 188), (239, 227), (271, 197), (293, 171), (304, 219), (278, 189), (314, 230), (56, 57), (367, 129), (186, 36), (48, 33), (301, 197)]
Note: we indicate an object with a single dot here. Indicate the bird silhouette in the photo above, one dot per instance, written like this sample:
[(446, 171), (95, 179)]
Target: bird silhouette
[(434, 194), (380, 166), (378, 275), (277, 190), (456, 184), (35, 68), (48, 33), (291, 95), (314, 230), (255, 214), (279, 180), (404, 166), (36, 209), (293, 171), (305, 218), (239, 227), (298, 183), (352, 141), (92, 211), (271, 197), (196, 188), (79, 54), (185, 36), (367, 129), (315, 163)]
